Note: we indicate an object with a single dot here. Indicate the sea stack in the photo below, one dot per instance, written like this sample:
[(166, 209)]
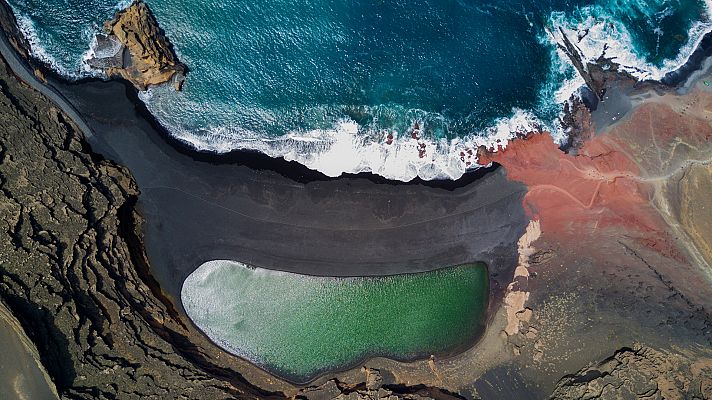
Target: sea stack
[(135, 48)]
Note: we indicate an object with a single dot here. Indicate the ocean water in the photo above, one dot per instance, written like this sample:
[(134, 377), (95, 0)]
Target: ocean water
[(298, 326), (342, 85)]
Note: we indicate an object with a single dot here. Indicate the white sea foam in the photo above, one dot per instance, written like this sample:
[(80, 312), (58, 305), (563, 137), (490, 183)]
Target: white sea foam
[(93, 52), (348, 148), (39, 50), (603, 32), (27, 27)]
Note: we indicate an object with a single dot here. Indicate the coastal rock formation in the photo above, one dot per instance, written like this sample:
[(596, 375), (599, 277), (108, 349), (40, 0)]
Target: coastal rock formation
[(624, 223), (69, 272), (641, 372), (12, 32), (621, 257), (135, 48), (517, 295), (372, 389), (598, 75)]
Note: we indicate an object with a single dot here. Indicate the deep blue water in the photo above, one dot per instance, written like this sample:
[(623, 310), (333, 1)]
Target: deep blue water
[(326, 81)]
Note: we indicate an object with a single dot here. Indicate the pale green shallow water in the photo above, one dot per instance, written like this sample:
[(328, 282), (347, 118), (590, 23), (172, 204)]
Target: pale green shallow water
[(298, 326)]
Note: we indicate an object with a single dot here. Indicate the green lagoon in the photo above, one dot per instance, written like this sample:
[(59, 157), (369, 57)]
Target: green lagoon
[(299, 326)]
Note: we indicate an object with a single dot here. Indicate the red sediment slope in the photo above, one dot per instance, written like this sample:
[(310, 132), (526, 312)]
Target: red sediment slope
[(642, 184), (626, 240), (575, 196)]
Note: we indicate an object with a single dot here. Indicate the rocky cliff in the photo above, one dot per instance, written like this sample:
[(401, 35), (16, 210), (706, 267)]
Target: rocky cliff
[(135, 48), (622, 257), (640, 372), (71, 268)]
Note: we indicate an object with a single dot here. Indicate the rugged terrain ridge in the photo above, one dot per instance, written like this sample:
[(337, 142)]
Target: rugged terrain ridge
[(138, 50)]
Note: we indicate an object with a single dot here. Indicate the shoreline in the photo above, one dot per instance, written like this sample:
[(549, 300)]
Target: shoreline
[(441, 190), (301, 173), (268, 178), (694, 63), (179, 174), (259, 161), (106, 190), (255, 159)]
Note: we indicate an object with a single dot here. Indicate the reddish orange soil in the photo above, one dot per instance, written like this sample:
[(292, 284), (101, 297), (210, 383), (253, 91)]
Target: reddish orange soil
[(581, 195), (625, 184), (576, 196)]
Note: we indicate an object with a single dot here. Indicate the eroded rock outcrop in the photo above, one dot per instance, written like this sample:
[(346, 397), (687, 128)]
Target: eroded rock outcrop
[(135, 48), (73, 271), (372, 389), (598, 75), (641, 372), (9, 26), (624, 217), (72, 277)]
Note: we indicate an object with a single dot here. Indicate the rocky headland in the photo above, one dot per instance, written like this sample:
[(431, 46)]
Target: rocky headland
[(135, 48), (625, 237), (604, 292)]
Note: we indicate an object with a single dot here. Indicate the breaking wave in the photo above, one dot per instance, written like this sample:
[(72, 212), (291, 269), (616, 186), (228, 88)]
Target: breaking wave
[(348, 147), (414, 142)]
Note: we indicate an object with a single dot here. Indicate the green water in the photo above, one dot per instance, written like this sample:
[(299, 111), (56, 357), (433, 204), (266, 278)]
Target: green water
[(298, 326)]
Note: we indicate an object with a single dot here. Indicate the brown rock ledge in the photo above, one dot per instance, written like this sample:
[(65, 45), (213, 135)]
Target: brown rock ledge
[(135, 48), (641, 372), (72, 271), (68, 271)]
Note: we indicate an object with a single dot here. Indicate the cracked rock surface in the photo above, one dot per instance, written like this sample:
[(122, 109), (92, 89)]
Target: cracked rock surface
[(622, 256), (641, 373), (67, 271)]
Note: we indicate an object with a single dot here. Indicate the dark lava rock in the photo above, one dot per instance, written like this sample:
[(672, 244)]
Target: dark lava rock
[(640, 373), (70, 274)]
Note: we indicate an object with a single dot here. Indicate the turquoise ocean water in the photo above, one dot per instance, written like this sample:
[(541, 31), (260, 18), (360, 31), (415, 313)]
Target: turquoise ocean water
[(341, 85)]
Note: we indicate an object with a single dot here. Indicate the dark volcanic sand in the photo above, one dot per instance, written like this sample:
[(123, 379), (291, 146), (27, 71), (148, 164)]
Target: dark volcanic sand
[(197, 211)]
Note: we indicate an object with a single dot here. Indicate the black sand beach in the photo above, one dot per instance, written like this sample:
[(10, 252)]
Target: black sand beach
[(279, 215), (199, 209)]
